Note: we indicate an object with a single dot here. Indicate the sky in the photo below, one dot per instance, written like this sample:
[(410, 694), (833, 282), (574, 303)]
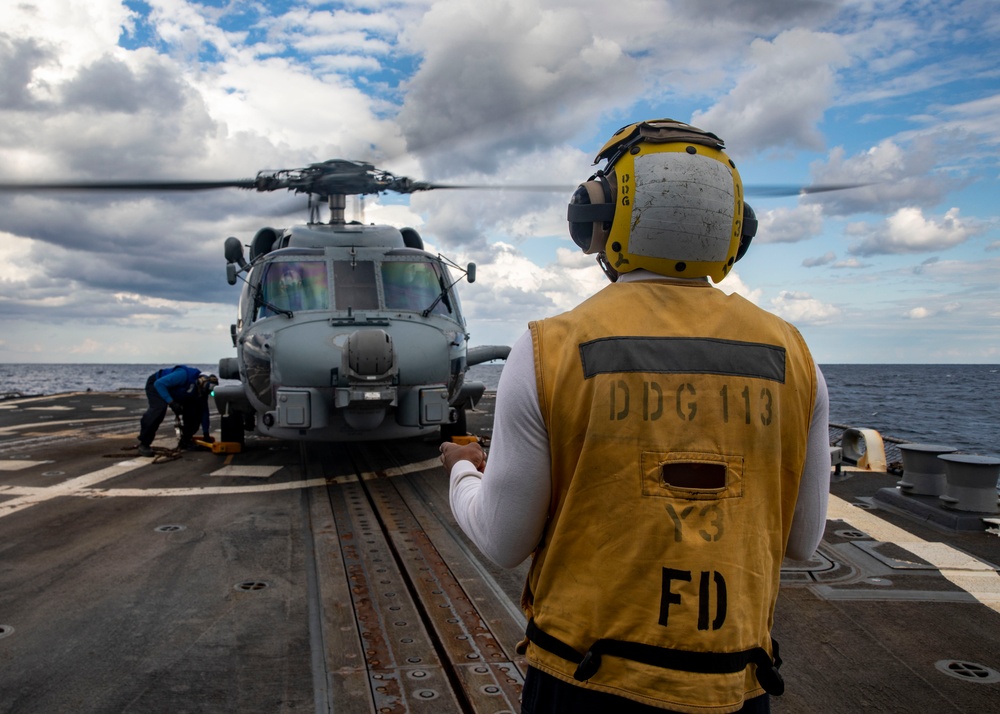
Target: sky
[(903, 97)]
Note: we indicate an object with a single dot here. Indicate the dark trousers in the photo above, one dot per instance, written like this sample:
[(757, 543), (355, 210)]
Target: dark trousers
[(151, 420), (545, 694)]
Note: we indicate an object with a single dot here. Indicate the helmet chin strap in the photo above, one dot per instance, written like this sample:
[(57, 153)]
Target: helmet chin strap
[(602, 260)]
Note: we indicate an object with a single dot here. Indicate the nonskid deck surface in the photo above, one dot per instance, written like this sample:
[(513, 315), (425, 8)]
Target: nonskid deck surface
[(333, 578)]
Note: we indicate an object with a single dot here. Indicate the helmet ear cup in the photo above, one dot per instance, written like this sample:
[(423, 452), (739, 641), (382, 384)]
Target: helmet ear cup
[(747, 231), (590, 213)]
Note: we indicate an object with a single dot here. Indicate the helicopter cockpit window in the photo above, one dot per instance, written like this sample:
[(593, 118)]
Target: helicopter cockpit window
[(412, 286), (354, 285), (294, 286)]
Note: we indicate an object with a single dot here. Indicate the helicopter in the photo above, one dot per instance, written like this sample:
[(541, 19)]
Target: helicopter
[(345, 331)]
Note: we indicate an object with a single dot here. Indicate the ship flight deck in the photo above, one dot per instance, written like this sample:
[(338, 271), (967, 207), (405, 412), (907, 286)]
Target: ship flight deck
[(332, 578)]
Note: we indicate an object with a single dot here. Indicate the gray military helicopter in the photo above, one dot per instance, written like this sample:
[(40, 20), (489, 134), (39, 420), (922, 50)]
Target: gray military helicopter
[(345, 331)]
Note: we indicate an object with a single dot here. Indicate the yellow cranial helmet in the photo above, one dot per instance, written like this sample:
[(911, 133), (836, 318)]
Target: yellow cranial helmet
[(669, 200)]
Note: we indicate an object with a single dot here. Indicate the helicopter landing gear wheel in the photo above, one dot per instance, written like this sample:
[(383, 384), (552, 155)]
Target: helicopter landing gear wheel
[(459, 428), (232, 428)]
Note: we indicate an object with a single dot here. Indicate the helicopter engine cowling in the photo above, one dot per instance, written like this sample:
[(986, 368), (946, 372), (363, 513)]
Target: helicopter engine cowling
[(229, 368)]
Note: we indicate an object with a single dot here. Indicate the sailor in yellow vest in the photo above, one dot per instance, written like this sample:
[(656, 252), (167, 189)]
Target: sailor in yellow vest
[(658, 450)]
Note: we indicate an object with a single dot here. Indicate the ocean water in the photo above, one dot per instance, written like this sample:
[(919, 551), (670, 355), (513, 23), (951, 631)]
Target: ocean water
[(57, 378), (953, 404), (956, 405)]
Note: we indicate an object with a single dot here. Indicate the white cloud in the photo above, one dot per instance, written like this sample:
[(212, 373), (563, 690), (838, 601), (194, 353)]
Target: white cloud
[(789, 225), (733, 284), (574, 259), (908, 231), (781, 98), (824, 259), (511, 290), (467, 219), (890, 175), (850, 263), (977, 118), (801, 308), (922, 313), (87, 347), (83, 32), (17, 265), (483, 68)]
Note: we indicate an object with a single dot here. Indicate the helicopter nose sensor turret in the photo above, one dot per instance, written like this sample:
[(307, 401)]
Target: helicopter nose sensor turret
[(370, 367)]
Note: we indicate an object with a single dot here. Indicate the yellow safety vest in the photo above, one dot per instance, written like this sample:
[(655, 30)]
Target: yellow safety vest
[(678, 419)]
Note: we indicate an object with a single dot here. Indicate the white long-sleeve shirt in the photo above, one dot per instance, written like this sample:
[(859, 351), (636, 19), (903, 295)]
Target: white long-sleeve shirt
[(504, 510)]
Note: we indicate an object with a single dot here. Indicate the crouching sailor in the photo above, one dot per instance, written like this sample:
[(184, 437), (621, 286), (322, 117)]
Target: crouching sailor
[(658, 450), (184, 390)]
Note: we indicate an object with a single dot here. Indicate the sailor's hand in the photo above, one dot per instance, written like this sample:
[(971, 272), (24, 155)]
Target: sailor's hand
[(452, 453), (176, 408)]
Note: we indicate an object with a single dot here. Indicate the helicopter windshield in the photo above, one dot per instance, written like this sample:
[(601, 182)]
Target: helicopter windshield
[(294, 285), (354, 285), (412, 286), (407, 285)]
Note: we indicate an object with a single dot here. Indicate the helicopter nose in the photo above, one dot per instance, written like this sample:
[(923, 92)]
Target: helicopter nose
[(370, 366)]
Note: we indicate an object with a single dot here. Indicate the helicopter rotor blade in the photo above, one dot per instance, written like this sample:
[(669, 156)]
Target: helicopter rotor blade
[(778, 190), (495, 187), (126, 185), (765, 190), (354, 178)]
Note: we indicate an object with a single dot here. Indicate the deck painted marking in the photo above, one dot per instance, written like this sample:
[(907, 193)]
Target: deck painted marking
[(973, 576), (216, 490), (68, 422), (247, 471), (79, 486), (261, 488), (84, 486), (53, 408), (17, 465)]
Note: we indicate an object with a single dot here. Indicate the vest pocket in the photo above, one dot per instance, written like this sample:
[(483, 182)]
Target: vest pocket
[(691, 475)]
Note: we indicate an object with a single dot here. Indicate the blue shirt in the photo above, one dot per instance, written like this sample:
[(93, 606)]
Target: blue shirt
[(180, 384)]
